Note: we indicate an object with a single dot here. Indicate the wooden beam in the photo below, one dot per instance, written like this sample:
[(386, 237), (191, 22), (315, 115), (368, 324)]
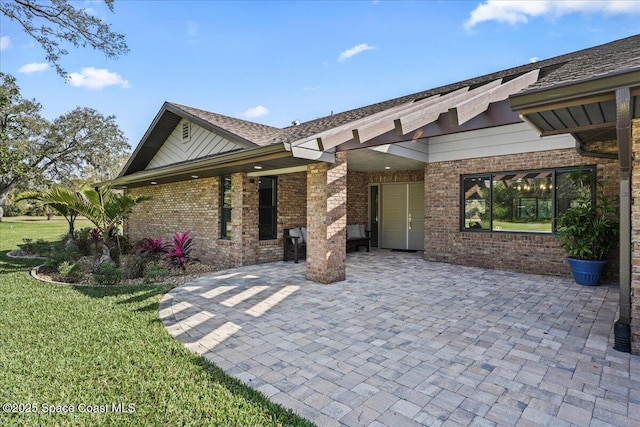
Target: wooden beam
[(338, 135), (306, 153), (467, 110), (387, 123), (597, 126), (417, 119)]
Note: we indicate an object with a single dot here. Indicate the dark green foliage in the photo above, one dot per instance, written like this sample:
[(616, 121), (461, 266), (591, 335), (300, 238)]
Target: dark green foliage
[(59, 253), (14, 209), (108, 275), (56, 24), (588, 229), (70, 272), (154, 272), (86, 246), (36, 248), (133, 266)]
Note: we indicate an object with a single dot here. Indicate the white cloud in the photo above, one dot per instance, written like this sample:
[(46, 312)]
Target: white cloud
[(534, 59), (354, 51), (5, 42), (34, 67), (97, 78), (257, 111), (519, 12)]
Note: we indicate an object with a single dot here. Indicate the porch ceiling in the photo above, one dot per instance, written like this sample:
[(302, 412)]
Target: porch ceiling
[(376, 161), (586, 109)]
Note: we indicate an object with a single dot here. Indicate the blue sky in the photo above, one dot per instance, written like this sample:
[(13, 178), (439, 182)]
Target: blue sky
[(277, 61)]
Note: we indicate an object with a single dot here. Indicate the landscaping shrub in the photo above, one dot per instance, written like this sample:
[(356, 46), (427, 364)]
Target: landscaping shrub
[(70, 272), (153, 272), (60, 253), (180, 253), (133, 266), (84, 241), (108, 275), (14, 209), (153, 249), (35, 248)]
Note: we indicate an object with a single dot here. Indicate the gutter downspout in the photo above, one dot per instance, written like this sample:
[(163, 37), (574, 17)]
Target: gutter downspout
[(580, 149), (622, 327)]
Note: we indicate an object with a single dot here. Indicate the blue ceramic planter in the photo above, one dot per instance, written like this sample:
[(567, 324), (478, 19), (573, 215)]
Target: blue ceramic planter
[(586, 272)]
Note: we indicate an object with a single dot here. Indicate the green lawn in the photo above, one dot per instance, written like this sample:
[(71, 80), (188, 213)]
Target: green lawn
[(104, 349)]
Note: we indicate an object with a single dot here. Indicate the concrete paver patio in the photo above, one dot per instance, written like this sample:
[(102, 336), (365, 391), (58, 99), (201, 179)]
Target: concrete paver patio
[(405, 342)]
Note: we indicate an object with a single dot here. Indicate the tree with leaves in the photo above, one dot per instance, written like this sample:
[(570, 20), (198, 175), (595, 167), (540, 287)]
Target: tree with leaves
[(54, 23), (33, 151), (58, 198), (104, 207)]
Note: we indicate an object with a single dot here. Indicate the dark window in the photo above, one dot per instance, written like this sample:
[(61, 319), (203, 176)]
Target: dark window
[(268, 208), (225, 207), (522, 202)]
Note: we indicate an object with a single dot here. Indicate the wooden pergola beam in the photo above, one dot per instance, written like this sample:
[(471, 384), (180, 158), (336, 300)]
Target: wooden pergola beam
[(369, 131), (336, 136), (416, 119), (470, 108)]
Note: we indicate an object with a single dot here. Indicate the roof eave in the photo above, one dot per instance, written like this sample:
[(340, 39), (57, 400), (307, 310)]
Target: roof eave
[(211, 127), (546, 97), (271, 157)]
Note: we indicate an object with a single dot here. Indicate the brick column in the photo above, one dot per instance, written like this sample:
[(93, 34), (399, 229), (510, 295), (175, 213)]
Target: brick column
[(244, 217), (635, 238), (327, 220)]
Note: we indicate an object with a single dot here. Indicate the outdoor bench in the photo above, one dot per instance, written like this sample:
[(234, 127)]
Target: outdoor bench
[(357, 236), (295, 241)]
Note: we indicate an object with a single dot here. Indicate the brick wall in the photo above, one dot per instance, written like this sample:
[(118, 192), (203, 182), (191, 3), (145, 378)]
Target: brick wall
[(326, 220), (541, 254), (292, 212), (635, 240), (396, 176), (357, 198), (177, 207), (194, 205)]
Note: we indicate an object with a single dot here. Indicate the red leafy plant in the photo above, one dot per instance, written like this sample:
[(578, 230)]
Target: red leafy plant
[(180, 253), (154, 248)]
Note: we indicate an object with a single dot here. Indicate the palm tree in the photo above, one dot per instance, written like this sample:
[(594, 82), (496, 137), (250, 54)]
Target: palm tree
[(101, 205), (58, 198)]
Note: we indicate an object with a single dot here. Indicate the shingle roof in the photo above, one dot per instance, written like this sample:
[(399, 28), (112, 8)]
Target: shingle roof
[(611, 57), (593, 62), (255, 132)]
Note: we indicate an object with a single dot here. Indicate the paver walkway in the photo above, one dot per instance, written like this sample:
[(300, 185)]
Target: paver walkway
[(405, 342)]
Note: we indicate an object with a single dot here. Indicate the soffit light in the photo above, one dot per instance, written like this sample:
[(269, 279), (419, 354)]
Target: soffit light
[(153, 182), (257, 167)]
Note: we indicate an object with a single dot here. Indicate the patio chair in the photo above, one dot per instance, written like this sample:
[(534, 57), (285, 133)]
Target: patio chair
[(295, 243)]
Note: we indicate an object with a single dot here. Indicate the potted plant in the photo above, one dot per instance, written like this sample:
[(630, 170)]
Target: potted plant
[(587, 230)]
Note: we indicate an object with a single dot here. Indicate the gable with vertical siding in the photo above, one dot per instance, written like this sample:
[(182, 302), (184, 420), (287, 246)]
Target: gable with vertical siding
[(201, 143)]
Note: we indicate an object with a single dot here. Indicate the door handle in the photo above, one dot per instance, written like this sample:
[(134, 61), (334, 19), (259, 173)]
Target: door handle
[(410, 222)]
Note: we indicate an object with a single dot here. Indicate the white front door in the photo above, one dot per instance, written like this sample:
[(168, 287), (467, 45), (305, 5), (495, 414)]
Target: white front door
[(402, 216)]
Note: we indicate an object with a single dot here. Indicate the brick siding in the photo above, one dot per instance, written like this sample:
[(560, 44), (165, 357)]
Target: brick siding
[(635, 240), (326, 220), (531, 253)]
